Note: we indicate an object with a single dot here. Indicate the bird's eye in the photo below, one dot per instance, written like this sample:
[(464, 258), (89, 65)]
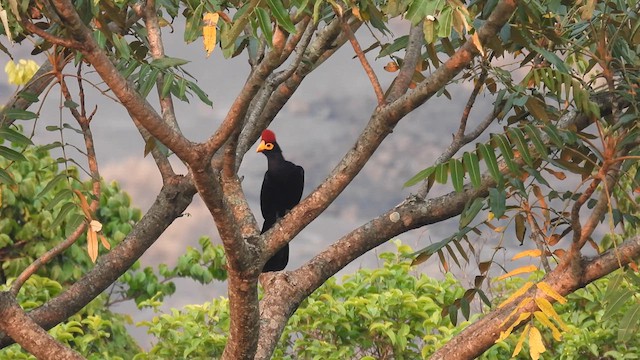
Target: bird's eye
[(268, 146)]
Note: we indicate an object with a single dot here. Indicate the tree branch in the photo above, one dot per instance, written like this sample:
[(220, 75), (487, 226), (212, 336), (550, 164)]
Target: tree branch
[(413, 55), (371, 74), (21, 328), (172, 200), (135, 104)]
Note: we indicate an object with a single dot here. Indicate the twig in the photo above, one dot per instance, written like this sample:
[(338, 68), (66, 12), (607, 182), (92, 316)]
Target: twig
[(373, 78)]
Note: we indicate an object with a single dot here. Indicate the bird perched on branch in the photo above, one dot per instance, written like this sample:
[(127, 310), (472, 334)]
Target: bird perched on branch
[(281, 191)]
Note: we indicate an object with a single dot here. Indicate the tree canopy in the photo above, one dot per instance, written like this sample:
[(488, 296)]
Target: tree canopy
[(559, 175)]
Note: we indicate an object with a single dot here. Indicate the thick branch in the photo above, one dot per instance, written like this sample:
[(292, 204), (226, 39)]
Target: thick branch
[(21, 328)]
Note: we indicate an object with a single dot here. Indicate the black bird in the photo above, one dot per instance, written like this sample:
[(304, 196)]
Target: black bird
[(281, 191)]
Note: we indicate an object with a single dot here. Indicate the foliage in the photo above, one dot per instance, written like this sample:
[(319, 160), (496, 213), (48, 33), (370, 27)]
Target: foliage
[(395, 312), (95, 332)]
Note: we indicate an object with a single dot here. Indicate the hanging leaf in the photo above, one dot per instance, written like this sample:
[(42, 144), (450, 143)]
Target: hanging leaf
[(507, 152), (492, 163), (520, 342), (282, 15), (457, 174), (472, 167), (92, 245), (521, 230), (209, 29), (536, 346), (497, 202), (517, 138), (264, 21), (540, 316), (517, 294), (549, 291)]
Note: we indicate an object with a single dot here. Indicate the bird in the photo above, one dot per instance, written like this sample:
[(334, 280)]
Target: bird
[(281, 191)]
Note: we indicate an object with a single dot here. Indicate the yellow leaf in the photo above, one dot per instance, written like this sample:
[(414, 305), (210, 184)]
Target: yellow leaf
[(490, 216), (517, 294), (551, 292), (92, 245), (84, 205), (504, 334), (516, 351), (5, 23), (104, 242), (540, 316), (518, 271), (547, 309), (476, 41), (209, 31), (95, 225), (531, 253), (536, 346)]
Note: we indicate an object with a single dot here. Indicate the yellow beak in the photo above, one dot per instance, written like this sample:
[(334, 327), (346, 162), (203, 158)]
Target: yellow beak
[(262, 146)]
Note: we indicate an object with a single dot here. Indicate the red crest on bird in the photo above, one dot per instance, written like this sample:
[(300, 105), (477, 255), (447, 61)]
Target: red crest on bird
[(268, 136)]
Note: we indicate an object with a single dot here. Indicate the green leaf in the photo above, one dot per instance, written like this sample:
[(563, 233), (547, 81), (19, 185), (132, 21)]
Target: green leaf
[(507, 152), (397, 45), (64, 211), (282, 15), (472, 167), (52, 183), (167, 62), (423, 174), (497, 202), (442, 173), (554, 135), (264, 21), (61, 195), (492, 163), (457, 174), (19, 114), (615, 301), (200, 93), (552, 58), (629, 323), (193, 24), (29, 96), (517, 137), (14, 136), (471, 210), (167, 85), (417, 11), (11, 154), (534, 137), (6, 178)]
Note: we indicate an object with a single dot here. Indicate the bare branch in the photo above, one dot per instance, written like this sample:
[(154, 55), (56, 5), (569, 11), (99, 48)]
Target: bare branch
[(413, 55), (371, 74)]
